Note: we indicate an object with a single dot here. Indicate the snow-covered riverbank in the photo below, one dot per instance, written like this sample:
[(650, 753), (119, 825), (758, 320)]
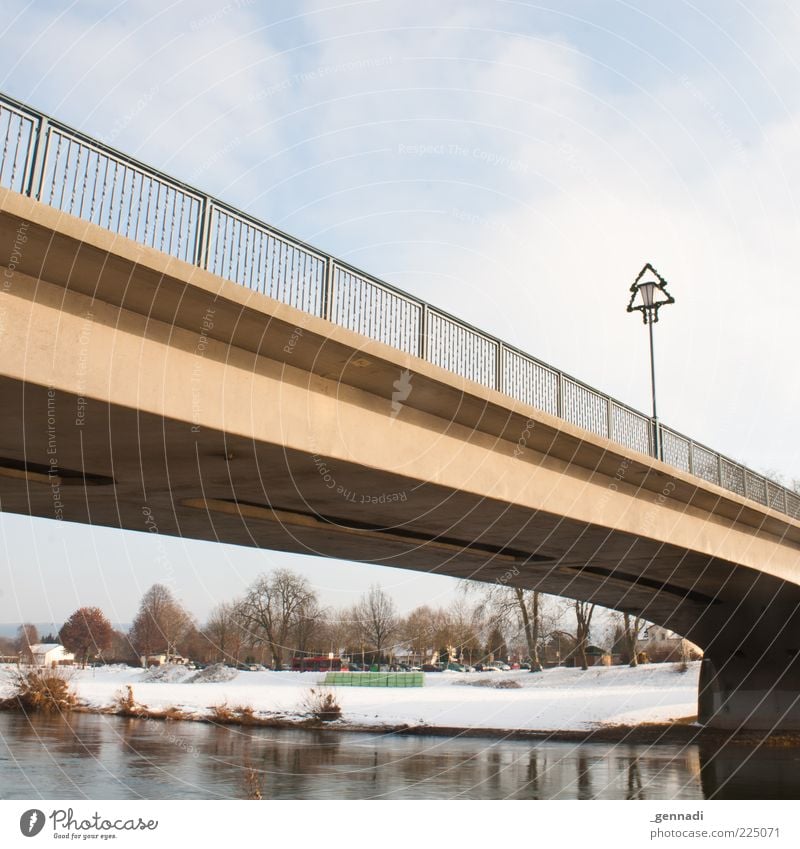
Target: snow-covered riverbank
[(554, 700)]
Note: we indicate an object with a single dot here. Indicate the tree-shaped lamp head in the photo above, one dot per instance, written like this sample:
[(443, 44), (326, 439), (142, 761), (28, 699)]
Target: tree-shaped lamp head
[(649, 293)]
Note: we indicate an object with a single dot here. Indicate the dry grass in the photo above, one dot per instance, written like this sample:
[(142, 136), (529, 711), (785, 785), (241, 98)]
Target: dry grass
[(126, 705), (236, 715), (40, 690), (322, 705), (171, 712)]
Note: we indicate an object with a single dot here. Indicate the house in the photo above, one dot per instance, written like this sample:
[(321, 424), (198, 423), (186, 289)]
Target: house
[(161, 659), (660, 644), (50, 655)]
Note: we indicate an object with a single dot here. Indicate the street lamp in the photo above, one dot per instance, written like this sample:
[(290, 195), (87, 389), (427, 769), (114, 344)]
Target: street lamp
[(648, 294)]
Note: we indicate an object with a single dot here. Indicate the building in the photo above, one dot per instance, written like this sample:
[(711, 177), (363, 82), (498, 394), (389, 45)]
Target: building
[(50, 655), (661, 644)]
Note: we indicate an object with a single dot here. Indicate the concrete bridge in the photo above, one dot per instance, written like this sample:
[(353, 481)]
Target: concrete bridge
[(170, 365)]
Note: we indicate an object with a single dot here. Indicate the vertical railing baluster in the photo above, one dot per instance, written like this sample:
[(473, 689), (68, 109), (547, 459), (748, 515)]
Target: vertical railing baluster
[(203, 231), (327, 290), (498, 372), (33, 187)]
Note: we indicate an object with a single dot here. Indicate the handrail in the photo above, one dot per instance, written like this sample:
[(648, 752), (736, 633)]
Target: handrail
[(100, 184)]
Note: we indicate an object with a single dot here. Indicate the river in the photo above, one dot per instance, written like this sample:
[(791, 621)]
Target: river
[(107, 757)]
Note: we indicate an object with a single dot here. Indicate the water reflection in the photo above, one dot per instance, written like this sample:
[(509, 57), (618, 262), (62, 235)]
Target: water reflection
[(634, 780), (736, 771), (101, 757)]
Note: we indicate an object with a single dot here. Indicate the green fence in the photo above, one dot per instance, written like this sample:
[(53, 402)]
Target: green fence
[(375, 679)]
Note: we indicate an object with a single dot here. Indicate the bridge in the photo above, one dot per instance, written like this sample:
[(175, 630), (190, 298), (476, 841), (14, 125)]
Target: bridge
[(171, 365)]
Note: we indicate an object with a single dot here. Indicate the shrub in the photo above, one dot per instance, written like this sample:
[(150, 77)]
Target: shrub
[(42, 690), (322, 705)]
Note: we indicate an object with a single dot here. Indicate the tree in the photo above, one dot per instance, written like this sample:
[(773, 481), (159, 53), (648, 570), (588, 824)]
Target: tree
[(338, 632), (524, 613), (224, 633), (496, 648), (160, 624), (418, 632), (27, 636), (272, 607), (584, 611), (309, 626), (86, 633), (530, 610), (463, 626), (632, 627), (121, 650), (376, 618)]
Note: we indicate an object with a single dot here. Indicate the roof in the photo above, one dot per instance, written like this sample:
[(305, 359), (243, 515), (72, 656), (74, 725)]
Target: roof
[(43, 648)]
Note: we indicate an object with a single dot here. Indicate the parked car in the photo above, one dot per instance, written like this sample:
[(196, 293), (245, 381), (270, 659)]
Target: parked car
[(492, 667), (431, 667), (456, 667)]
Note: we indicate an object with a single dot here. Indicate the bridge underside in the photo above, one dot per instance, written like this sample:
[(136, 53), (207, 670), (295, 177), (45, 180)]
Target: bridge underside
[(142, 394)]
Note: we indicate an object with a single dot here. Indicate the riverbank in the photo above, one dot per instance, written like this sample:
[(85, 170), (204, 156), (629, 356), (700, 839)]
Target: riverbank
[(653, 702)]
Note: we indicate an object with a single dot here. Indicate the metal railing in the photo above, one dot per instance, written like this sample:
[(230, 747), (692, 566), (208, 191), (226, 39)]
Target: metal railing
[(65, 169)]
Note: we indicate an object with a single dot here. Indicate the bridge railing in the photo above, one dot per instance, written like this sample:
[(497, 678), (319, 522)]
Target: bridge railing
[(59, 166)]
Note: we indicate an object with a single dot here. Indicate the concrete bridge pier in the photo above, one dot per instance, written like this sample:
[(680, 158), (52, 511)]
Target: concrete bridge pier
[(750, 673)]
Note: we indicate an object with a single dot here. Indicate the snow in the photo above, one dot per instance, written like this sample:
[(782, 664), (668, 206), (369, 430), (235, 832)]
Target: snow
[(554, 700), (213, 674)]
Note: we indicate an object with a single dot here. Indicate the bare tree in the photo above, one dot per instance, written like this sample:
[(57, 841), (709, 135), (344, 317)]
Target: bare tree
[(223, 631), (376, 618), (271, 608), (27, 636), (584, 611), (160, 624), (525, 609), (496, 648), (530, 612), (310, 626), (418, 631), (632, 627)]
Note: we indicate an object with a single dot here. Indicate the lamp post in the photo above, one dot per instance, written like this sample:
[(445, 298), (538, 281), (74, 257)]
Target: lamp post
[(648, 294)]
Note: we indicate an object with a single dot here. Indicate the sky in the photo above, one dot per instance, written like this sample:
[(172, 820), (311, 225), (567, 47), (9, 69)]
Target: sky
[(514, 163)]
